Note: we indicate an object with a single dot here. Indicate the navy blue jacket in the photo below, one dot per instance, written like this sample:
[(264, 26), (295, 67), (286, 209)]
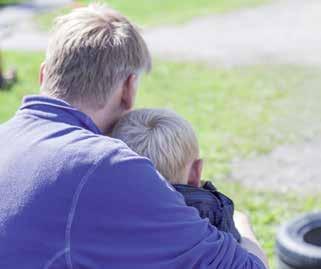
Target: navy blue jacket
[(211, 204)]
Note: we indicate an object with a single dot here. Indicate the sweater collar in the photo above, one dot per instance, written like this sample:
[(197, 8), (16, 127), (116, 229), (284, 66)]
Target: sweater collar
[(45, 104)]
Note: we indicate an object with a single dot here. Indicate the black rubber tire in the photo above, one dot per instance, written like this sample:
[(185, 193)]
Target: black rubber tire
[(294, 250)]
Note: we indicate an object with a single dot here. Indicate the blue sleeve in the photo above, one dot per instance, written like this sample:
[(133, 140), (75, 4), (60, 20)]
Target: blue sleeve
[(127, 216)]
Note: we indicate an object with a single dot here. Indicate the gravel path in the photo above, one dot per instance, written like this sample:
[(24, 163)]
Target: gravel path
[(17, 28), (285, 31), (289, 167)]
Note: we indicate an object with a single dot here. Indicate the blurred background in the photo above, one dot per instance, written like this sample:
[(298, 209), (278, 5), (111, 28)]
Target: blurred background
[(245, 73)]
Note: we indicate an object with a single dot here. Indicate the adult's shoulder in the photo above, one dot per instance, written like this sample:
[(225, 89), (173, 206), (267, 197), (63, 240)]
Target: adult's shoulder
[(99, 149)]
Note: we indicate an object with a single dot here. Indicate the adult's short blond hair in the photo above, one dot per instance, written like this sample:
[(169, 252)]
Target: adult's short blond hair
[(161, 135), (91, 51)]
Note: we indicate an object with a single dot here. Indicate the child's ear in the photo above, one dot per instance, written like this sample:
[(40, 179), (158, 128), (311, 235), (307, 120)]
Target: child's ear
[(195, 173)]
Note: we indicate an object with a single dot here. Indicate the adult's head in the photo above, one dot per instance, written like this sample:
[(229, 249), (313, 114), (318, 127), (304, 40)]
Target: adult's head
[(94, 60), (167, 139)]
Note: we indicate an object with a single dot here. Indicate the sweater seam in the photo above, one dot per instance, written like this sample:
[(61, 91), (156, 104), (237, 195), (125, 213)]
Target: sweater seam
[(57, 255), (75, 200)]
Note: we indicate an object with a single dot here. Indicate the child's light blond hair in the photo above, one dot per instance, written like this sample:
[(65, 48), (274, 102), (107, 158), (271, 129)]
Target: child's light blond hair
[(163, 136)]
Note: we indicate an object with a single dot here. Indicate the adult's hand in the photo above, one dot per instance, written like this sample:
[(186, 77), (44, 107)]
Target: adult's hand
[(249, 241)]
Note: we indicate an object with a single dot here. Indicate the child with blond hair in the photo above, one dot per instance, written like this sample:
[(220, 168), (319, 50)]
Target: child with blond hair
[(169, 141)]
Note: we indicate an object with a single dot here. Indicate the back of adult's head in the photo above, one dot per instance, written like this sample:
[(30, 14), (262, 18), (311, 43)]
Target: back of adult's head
[(92, 51)]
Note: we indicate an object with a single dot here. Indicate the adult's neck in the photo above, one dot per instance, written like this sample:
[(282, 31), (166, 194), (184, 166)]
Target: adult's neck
[(98, 115)]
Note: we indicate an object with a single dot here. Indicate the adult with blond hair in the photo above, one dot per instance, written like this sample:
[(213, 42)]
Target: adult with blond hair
[(72, 198)]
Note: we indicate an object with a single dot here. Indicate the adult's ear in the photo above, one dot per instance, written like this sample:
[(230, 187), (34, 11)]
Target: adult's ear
[(42, 73), (129, 92), (195, 173)]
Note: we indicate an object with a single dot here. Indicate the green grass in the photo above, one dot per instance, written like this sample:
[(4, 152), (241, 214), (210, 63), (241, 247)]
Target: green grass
[(27, 65), (156, 12), (234, 111), (267, 210), (9, 2), (165, 11)]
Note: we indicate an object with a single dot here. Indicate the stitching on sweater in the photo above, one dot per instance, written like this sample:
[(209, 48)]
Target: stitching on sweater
[(71, 214), (55, 257)]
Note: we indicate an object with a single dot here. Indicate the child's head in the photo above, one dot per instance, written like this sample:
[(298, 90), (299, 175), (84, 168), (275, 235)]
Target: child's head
[(166, 139)]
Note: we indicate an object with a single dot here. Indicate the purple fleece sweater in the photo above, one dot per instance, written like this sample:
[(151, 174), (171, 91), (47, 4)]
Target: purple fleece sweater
[(73, 198)]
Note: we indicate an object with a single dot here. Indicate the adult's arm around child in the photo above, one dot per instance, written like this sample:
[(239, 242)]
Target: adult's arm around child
[(138, 221)]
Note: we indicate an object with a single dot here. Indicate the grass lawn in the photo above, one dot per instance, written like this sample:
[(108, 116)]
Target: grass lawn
[(9, 2), (155, 12), (235, 112), (165, 11)]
